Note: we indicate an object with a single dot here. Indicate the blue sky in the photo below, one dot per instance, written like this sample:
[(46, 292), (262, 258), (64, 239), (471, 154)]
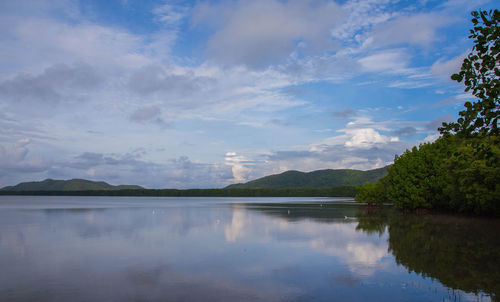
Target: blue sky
[(196, 94)]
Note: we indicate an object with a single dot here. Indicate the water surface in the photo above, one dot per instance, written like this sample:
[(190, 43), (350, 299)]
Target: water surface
[(239, 249)]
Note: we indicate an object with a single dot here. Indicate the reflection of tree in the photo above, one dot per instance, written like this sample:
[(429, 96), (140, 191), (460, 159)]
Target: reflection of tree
[(462, 253), (315, 211), (372, 221)]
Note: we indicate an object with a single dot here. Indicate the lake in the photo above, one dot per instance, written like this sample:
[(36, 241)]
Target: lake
[(240, 249)]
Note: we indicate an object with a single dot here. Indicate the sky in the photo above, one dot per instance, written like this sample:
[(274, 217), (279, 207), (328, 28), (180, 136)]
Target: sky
[(203, 94)]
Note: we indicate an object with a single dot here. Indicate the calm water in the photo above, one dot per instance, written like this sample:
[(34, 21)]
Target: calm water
[(239, 249)]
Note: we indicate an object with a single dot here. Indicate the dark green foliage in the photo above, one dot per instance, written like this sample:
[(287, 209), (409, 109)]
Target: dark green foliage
[(371, 193), (454, 173), (340, 191), (417, 178), (474, 178), (67, 185), (315, 179), (481, 75)]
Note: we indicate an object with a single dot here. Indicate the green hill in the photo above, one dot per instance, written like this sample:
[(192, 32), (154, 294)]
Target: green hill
[(315, 179), (67, 185)]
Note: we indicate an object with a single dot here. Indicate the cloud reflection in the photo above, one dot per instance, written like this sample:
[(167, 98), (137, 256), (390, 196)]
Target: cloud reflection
[(152, 249)]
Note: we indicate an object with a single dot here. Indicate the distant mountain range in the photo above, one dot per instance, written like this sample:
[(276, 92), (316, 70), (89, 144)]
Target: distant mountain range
[(315, 179), (67, 185), (289, 179)]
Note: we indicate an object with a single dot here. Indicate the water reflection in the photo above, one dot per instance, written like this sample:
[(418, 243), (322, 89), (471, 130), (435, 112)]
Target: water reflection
[(461, 252), (244, 250)]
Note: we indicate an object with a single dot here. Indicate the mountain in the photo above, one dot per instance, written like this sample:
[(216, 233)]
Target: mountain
[(67, 185), (315, 179), (289, 179)]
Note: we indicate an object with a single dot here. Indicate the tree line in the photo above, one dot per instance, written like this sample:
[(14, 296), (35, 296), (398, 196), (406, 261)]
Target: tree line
[(337, 191)]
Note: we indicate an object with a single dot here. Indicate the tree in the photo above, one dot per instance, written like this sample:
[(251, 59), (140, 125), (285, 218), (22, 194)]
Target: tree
[(417, 178), (473, 174), (372, 194), (480, 73)]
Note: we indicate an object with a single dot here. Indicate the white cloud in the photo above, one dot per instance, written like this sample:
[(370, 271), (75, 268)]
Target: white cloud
[(431, 138), (360, 16), (60, 59), (135, 168), (366, 138), (240, 165), (60, 70), (170, 14), (391, 61), (14, 159), (16, 153), (43, 42), (443, 69), (457, 100), (417, 29), (361, 146), (394, 67), (409, 84), (259, 33)]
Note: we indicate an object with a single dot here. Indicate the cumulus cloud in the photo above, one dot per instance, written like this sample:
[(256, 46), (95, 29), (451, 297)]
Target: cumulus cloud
[(360, 146), (366, 138), (240, 166), (14, 159), (258, 33)]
